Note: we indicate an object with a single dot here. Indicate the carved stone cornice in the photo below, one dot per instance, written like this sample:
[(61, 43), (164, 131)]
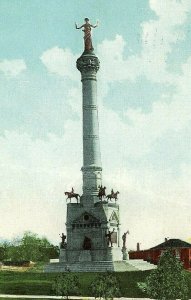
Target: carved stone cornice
[(91, 168), (90, 107), (87, 63), (90, 136)]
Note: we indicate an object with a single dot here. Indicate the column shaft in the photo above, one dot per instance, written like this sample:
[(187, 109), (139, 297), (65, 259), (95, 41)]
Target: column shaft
[(88, 65)]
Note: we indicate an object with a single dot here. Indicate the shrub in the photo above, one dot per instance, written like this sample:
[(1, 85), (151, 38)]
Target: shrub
[(168, 281), (105, 286), (28, 247), (66, 285)]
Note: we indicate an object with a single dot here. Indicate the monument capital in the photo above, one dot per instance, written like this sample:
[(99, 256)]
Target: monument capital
[(86, 63)]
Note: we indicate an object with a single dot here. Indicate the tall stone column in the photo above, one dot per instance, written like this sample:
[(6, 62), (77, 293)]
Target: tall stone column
[(88, 65)]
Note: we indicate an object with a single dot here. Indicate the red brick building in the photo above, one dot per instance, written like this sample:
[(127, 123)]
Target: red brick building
[(180, 248)]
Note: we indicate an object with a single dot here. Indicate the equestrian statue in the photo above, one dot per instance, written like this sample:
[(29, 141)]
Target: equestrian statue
[(112, 195), (72, 195), (101, 193)]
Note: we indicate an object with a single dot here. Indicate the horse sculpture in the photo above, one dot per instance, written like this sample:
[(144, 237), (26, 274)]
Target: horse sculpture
[(112, 196), (101, 192), (71, 195)]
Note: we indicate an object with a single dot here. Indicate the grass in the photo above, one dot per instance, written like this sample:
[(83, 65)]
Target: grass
[(29, 283), (36, 283)]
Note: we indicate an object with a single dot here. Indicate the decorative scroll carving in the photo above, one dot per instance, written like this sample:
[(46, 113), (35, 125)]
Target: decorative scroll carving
[(87, 63)]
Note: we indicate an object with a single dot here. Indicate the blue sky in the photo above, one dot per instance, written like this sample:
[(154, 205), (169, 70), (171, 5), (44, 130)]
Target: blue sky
[(33, 26), (144, 109)]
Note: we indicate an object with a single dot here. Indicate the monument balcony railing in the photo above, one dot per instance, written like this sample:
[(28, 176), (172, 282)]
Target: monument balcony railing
[(106, 203), (110, 204), (83, 225)]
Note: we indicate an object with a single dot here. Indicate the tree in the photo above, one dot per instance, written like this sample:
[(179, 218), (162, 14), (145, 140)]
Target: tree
[(4, 250), (36, 249), (168, 281), (105, 286), (31, 247), (66, 284)]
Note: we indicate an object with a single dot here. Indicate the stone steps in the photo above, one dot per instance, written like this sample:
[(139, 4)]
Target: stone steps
[(95, 266), (141, 264), (80, 267), (123, 266)]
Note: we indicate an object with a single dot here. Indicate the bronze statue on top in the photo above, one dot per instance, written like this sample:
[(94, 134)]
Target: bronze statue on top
[(87, 27)]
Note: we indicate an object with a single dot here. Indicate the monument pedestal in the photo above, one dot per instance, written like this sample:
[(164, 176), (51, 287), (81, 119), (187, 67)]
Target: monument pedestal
[(85, 255), (114, 254), (62, 257), (125, 253)]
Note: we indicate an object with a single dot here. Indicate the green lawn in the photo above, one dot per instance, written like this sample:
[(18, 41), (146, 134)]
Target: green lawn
[(28, 283)]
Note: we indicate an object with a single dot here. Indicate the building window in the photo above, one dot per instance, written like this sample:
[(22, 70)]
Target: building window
[(86, 217)]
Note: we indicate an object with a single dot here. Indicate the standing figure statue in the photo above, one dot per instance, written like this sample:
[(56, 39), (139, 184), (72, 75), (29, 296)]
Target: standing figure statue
[(109, 240), (109, 237), (63, 243), (124, 236), (87, 27)]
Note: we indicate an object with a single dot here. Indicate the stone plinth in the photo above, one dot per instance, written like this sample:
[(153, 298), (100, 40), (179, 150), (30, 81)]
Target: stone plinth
[(114, 254), (92, 222), (125, 253), (62, 257), (85, 255)]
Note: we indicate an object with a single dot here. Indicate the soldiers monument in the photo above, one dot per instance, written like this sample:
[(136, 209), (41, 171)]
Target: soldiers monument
[(92, 241)]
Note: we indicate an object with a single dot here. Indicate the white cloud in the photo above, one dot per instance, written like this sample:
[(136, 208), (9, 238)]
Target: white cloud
[(158, 39), (158, 36), (113, 65), (171, 11), (12, 67), (61, 62), (34, 174), (151, 199)]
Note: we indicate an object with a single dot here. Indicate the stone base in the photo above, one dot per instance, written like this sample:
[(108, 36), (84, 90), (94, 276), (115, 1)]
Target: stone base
[(114, 254), (93, 266), (109, 254), (115, 260), (85, 255), (125, 254), (62, 257)]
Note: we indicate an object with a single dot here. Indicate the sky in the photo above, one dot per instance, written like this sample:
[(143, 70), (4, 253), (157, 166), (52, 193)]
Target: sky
[(144, 96)]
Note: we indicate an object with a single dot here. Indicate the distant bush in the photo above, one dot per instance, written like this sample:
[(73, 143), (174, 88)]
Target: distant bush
[(105, 286), (66, 285), (30, 247), (22, 263)]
